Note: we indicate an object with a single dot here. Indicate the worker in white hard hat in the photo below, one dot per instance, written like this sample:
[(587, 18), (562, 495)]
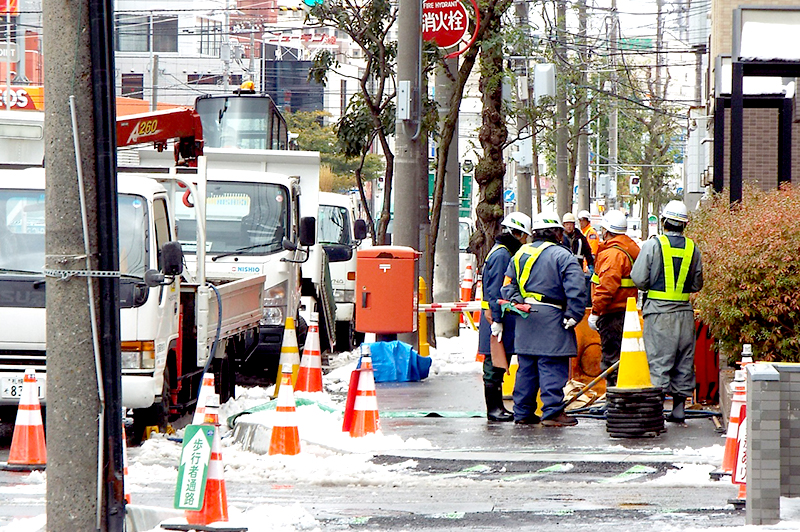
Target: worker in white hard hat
[(546, 276), (584, 218), (515, 230), (611, 287), (669, 269)]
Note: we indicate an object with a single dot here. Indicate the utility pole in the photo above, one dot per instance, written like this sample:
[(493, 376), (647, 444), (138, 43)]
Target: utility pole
[(613, 131), (84, 407), (524, 188), (582, 114), (154, 85), (564, 198), (445, 268), (408, 131)]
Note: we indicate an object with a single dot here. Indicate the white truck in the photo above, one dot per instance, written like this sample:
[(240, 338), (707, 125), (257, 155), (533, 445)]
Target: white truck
[(168, 325), (339, 234)]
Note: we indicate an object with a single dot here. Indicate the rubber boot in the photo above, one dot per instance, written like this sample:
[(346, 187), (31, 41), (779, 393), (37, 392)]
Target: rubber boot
[(678, 414), (495, 410)]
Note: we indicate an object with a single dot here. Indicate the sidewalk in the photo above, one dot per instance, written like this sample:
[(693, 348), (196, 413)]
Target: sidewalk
[(453, 402)]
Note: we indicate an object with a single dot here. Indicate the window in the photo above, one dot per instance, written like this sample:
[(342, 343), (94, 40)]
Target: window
[(133, 85), (133, 33), (161, 223), (210, 36), (204, 79), (165, 33)]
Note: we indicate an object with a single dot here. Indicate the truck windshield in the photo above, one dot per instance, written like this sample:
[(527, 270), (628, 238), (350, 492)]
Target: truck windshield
[(334, 225), (244, 218), (22, 234), (247, 122)]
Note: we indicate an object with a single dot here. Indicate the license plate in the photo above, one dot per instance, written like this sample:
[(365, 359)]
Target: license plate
[(12, 388)]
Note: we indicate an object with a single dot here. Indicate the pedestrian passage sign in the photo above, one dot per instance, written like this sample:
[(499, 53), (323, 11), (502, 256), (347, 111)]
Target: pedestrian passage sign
[(193, 469)]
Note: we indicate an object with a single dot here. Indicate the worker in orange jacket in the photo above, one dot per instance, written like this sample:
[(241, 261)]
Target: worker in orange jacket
[(611, 287), (589, 231)]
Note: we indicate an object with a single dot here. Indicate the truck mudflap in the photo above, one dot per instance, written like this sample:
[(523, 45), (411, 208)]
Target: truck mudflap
[(328, 310)]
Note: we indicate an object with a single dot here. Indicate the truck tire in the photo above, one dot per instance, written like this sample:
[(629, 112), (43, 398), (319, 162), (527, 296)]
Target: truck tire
[(345, 336), (224, 379), (156, 415)]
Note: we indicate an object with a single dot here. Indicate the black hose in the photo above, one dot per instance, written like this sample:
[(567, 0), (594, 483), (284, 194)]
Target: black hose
[(216, 337)]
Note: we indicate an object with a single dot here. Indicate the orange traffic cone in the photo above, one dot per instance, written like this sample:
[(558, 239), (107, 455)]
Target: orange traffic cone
[(215, 501), (285, 437), (309, 378), (28, 452), (466, 288), (206, 390), (290, 356), (739, 399), (125, 466), (365, 408)]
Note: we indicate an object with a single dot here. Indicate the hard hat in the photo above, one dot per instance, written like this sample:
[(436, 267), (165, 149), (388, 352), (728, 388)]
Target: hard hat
[(615, 222), (546, 221), (569, 217), (584, 214), (676, 211), (517, 221)]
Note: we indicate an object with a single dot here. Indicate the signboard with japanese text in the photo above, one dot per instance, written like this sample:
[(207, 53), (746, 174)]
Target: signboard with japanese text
[(193, 470), (447, 23)]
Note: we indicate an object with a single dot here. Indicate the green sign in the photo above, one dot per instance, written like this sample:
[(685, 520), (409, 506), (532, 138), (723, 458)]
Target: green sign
[(193, 471)]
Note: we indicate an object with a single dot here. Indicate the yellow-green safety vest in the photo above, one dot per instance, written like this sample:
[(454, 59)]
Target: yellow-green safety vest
[(522, 277), (485, 302), (625, 282), (673, 290)]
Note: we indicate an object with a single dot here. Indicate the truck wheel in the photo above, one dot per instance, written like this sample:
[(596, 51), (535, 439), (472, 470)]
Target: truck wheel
[(345, 336), (224, 379), (156, 415)]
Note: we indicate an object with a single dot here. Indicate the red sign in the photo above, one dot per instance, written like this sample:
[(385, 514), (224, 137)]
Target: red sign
[(8, 7), (445, 22)]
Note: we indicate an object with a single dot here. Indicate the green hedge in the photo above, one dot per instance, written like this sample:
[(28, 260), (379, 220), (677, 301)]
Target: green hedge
[(751, 269)]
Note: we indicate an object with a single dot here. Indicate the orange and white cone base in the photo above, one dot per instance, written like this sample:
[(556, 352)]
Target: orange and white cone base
[(285, 437), (28, 451), (309, 377), (365, 409), (290, 355), (206, 389), (634, 371), (739, 399), (215, 500)]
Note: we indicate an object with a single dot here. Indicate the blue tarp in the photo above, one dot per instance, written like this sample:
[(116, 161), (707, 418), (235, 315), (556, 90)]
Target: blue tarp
[(397, 362)]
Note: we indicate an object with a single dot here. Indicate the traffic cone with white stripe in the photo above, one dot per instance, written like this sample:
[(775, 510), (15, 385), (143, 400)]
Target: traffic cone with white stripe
[(466, 288), (290, 356), (309, 378), (28, 451), (285, 438), (206, 390), (365, 418), (125, 466), (739, 399), (215, 500), (634, 371)]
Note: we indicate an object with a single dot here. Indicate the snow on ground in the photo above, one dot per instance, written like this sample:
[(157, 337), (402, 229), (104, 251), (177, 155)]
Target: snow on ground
[(329, 456)]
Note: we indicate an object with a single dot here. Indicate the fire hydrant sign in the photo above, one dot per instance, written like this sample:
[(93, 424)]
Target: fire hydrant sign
[(445, 22), (193, 470)]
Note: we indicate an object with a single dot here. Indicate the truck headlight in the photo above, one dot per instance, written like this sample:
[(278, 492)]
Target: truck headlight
[(274, 304), (138, 355), (344, 296)]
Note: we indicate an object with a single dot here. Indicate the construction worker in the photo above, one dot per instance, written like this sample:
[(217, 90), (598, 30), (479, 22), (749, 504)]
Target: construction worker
[(546, 276), (516, 228), (669, 269), (584, 218), (577, 242), (611, 287)]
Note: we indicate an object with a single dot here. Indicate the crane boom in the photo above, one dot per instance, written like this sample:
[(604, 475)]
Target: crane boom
[(159, 127)]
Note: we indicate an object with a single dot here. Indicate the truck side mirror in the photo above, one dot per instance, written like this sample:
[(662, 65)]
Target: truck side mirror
[(172, 258), (360, 229), (308, 231)]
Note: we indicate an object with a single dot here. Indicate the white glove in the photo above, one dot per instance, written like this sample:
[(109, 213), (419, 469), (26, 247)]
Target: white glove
[(497, 330), (569, 323), (593, 321)]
